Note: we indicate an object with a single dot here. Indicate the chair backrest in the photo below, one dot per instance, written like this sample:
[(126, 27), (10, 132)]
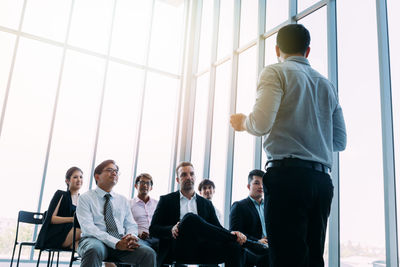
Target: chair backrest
[(30, 217)]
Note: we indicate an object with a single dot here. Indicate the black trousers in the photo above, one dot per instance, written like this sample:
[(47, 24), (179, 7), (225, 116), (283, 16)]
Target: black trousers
[(202, 242), (297, 207), (256, 259)]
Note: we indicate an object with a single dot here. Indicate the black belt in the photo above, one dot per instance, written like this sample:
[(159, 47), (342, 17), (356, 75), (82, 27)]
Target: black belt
[(289, 162)]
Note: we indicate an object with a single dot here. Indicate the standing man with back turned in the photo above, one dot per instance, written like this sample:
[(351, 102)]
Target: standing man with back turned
[(297, 110)]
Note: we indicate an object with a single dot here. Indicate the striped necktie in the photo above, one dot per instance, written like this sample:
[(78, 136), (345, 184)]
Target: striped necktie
[(111, 226)]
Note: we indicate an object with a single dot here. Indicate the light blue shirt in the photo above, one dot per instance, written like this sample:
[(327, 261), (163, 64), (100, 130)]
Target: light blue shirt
[(298, 113), (90, 213), (260, 210)]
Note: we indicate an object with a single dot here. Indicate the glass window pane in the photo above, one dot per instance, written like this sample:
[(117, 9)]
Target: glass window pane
[(10, 13), (131, 30), (206, 34), (157, 129), (91, 23), (7, 43), (25, 133), (243, 161), (316, 25), (117, 138), (303, 4), (361, 173), (200, 126), (76, 122), (225, 38), (166, 37), (277, 12), (270, 52), (393, 8), (47, 18), (219, 141), (248, 21)]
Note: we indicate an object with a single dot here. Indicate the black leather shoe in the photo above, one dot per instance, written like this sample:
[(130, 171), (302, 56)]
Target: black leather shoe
[(255, 247)]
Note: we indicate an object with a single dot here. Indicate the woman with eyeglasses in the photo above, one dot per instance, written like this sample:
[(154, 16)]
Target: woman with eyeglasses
[(57, 229)]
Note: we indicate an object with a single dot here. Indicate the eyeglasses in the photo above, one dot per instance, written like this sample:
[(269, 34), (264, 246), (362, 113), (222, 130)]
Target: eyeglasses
[(110, 170), (148, 183)]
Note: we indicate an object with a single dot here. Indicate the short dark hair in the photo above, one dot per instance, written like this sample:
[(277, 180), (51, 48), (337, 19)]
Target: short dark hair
[(293, 39), (183, 164), (206, 182), (145, 175), (99, 169), (69, 173), (253, 173)]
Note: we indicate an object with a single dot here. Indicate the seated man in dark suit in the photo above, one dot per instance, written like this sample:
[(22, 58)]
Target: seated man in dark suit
[(247, 216), (188, 228)]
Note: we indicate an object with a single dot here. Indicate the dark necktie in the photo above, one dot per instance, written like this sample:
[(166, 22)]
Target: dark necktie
[(111, 226)]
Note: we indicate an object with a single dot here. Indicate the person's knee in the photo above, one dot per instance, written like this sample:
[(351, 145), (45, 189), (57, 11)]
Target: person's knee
[(148, 251), (189, 217), (92, 248), (147, 254)]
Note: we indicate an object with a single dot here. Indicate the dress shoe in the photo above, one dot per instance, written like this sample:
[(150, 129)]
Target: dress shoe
[(255, 247)]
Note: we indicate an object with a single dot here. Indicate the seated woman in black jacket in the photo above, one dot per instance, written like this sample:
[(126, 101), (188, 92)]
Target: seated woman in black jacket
[(56, 231)]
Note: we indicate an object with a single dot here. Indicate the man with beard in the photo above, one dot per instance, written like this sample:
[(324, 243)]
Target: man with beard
[(188, 228)]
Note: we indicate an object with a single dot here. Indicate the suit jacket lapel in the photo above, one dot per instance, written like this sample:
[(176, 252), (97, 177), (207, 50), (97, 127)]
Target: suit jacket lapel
[(176, 206), (200, 207), (253, 210)]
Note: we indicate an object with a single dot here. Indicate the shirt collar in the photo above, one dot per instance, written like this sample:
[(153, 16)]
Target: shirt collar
[(256, 202), (182, 196), (298, 59), (136, 199), (100, 192)]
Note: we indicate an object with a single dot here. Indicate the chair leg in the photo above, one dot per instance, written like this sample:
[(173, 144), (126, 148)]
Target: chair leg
[(12, 257), (72, 258), (58, 257), (52, 258), (19, 255), (38, 260), (48, 259)]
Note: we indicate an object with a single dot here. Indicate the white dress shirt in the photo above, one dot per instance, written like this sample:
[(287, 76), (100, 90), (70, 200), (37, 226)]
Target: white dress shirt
[(298, 112), (219, 216), (90, 214), (187, 205), (143, 213)]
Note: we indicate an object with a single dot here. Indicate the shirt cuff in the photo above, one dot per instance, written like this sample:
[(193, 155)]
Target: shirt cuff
[(112, 242)]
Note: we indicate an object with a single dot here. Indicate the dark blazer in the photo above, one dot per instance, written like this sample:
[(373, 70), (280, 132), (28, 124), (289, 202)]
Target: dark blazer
[(244, 218), (53, 235), (167, 214)]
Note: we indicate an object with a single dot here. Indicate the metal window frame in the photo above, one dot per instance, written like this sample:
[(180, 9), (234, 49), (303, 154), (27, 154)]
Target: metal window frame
[(334, 219), (49, 142), (262, 13), (388, 156), (213, 69), (10, 74), (103, 90), (232, 110), (184, 113), (141, 106)]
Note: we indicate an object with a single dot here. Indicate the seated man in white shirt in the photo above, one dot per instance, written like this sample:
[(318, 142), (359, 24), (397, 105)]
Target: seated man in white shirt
[(207, 190), (108, 230), (142, 208)]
